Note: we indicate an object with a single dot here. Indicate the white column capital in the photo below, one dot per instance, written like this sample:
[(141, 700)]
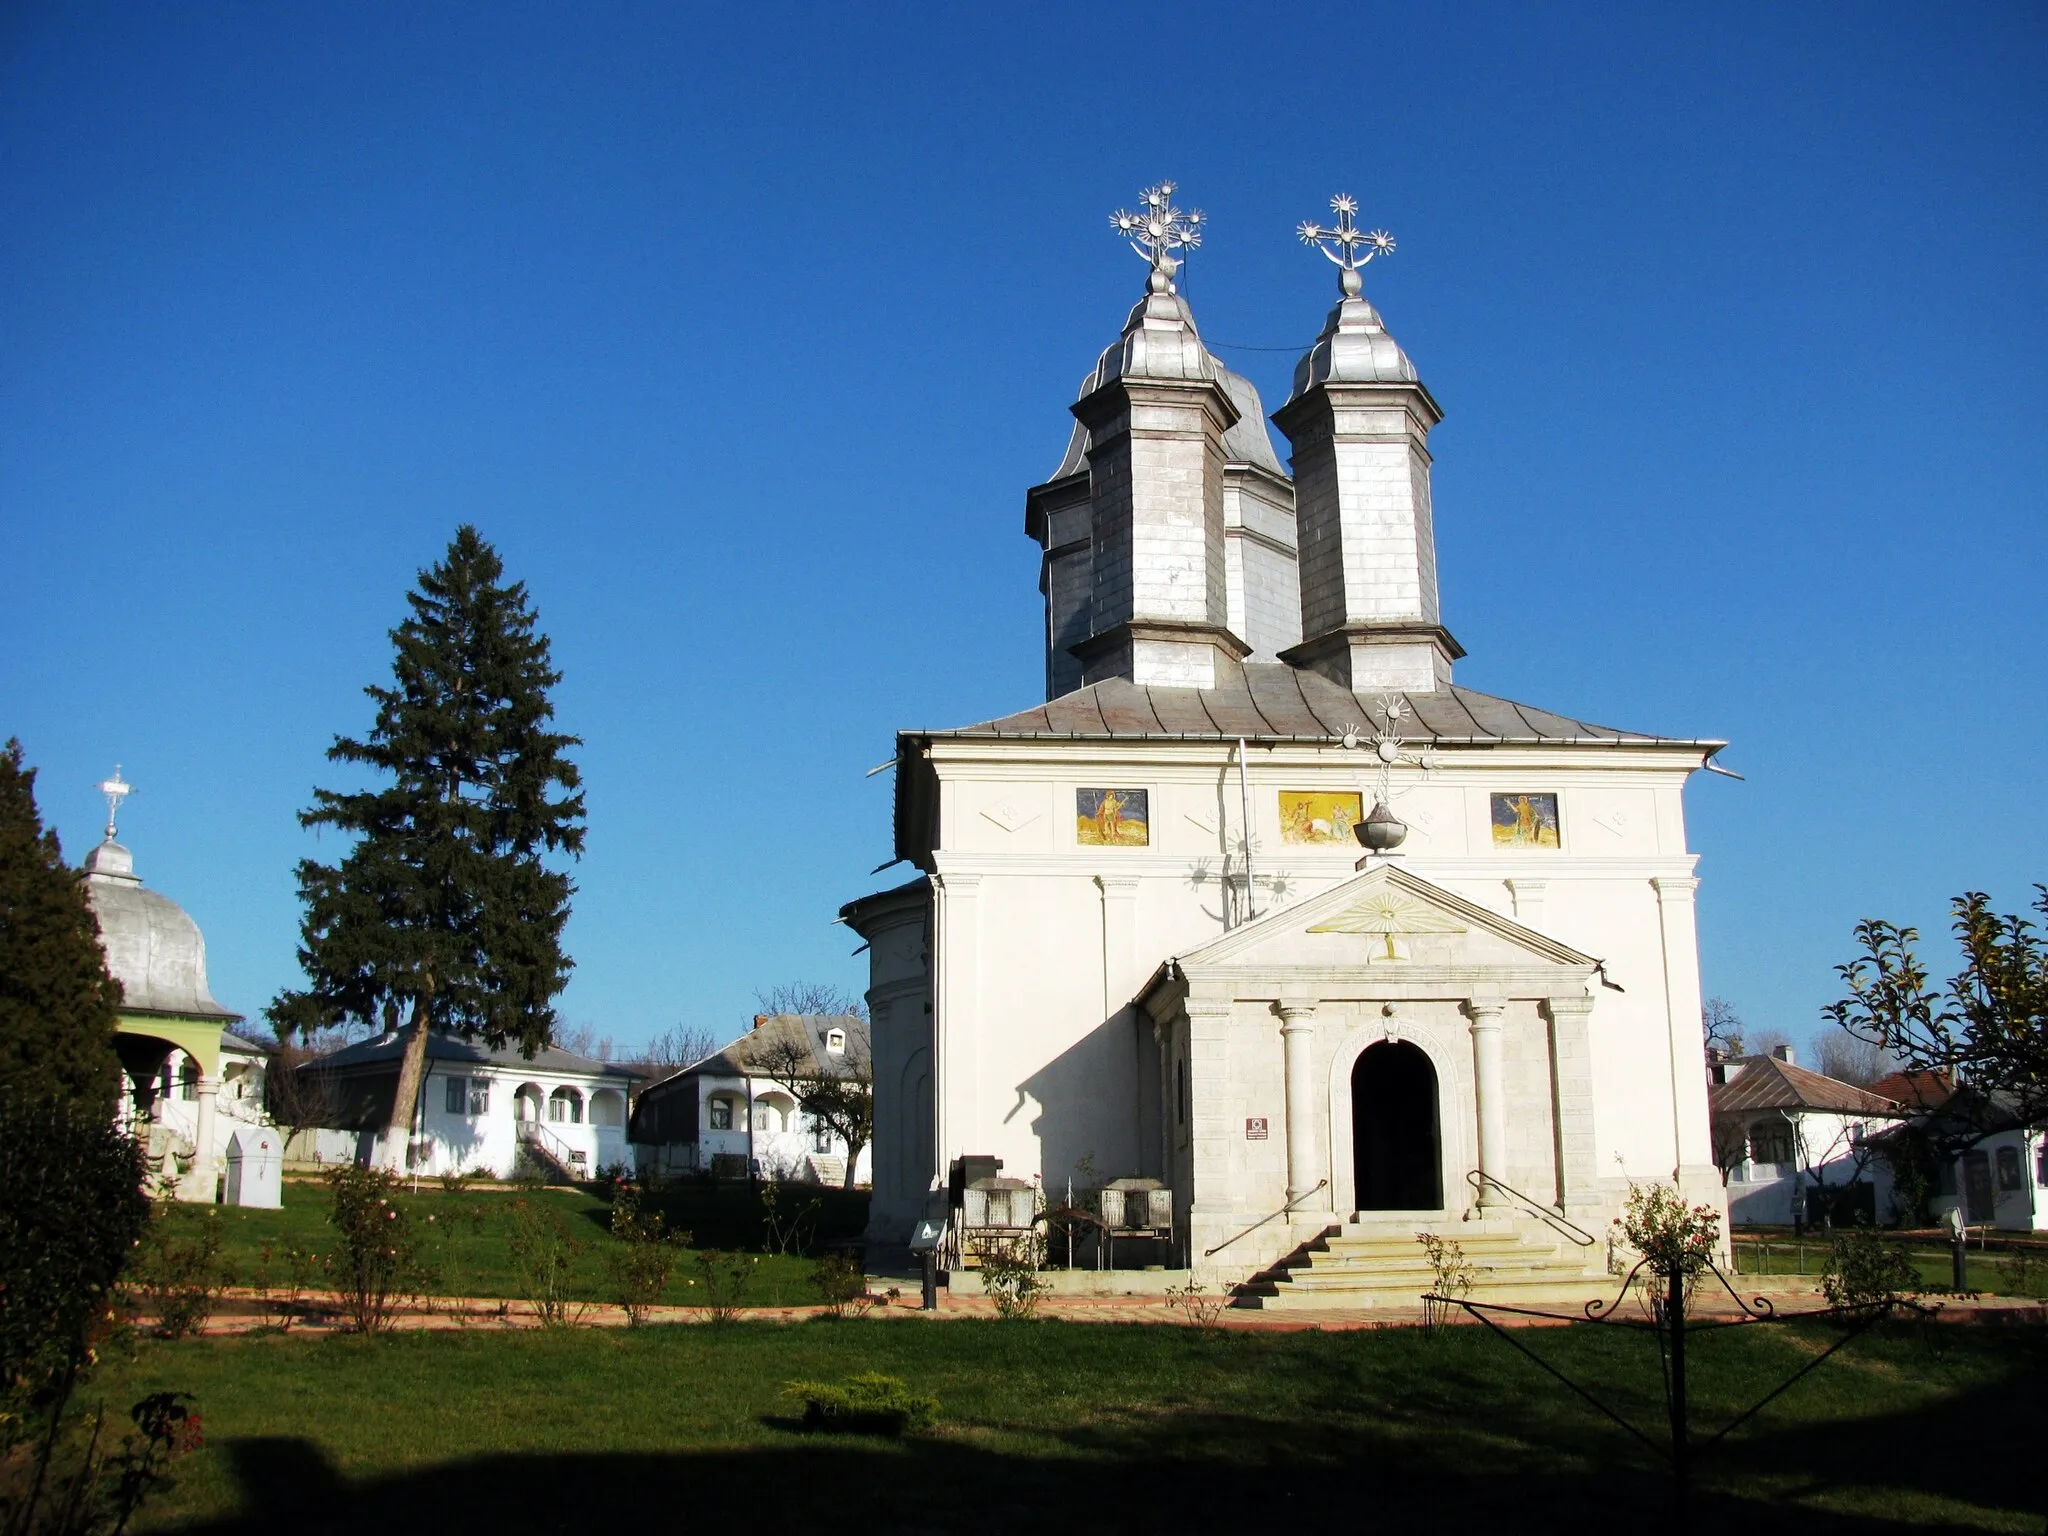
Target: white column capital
[(1208, 1007), (1674, 890), (1117, 885), (1295, 1013), (957, 884), (1568, 1005), (1485, 1012)]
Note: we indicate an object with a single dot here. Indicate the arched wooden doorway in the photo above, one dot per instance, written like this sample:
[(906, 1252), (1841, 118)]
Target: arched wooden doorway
[(1396, 1145)]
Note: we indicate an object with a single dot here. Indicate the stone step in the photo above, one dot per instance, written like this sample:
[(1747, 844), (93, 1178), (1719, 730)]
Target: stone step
[(1380, 1263)]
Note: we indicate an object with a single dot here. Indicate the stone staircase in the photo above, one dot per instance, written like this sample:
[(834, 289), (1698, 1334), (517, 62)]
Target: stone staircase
[(827, 1170), (1378, 1263)]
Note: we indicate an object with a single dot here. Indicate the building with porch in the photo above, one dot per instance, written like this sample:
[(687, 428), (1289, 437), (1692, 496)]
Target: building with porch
[(1796, 1145), (479, 1107), (1260, 902), (733, 1115)]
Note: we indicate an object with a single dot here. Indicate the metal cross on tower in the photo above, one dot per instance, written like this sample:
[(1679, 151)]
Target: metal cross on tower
[(1159, 229), (1345, 243), (116, 792)]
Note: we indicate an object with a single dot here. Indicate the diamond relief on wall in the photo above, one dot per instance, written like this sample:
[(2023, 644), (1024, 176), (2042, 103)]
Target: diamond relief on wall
[(1009, 815)]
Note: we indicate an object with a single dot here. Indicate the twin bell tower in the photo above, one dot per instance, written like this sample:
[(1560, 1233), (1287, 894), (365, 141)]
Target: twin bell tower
[(1176, 548)]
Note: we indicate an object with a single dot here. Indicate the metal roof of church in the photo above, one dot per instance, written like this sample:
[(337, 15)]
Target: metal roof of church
[(1276, 702)]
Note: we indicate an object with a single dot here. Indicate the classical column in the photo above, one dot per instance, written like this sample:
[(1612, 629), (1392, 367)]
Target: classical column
[(200, 1182), (1486, 1087), (1297, 1036)]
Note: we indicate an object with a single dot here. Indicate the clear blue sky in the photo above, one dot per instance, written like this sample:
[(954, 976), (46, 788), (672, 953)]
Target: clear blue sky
[(742, 329)]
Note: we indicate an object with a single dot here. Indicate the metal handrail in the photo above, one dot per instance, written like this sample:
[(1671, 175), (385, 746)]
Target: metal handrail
[(1210, 1253), (1563, 1224), (556, 1148)]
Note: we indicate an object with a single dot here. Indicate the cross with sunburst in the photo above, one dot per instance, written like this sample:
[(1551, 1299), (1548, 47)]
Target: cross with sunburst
[(1158, 228), (1344, 242)]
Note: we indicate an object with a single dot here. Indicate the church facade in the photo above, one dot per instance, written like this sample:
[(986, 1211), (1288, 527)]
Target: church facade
[(1260, 902)]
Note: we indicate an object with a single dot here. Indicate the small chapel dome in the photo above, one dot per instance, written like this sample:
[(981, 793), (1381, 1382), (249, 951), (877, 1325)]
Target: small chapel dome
[(153, 947), (1354, 348)]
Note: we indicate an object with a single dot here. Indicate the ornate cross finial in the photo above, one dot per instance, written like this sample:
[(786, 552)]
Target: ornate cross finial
[(1157, 230), (116, 792), (1354, 247)]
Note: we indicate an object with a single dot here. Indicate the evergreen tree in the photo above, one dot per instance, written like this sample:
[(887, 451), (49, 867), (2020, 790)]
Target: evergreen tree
[(444, 913), (57, 1002)]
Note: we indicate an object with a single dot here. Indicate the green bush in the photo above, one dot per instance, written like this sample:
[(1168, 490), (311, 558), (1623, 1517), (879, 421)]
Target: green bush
[(841, 1282), (544, 1255), (867, 1404), (1864, 1269), (178, 1269), (1009, 1273), (71, 1210), (377, 1266), (644, 1258)]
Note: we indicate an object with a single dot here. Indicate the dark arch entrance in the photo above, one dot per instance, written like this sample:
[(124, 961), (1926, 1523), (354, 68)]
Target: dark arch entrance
[(1394, 1140)]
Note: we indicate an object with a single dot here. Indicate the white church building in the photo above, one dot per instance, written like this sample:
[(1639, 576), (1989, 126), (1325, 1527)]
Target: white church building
[(1261, 903)]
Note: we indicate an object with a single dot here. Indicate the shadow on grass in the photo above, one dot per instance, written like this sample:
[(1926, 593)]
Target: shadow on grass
[(1517, 1467)]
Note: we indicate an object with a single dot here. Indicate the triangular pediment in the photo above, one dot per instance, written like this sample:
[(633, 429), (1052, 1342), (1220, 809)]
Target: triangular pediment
[(1388, 917)]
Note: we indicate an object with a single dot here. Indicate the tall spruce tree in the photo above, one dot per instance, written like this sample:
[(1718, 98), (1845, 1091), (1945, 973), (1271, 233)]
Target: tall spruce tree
[(57, 1002), (445, 912)]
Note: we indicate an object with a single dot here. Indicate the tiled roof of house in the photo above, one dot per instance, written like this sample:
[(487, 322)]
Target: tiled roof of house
[(1767, 1083), (1916, 1090)]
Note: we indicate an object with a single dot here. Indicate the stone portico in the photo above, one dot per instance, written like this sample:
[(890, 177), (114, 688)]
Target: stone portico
[(1264, 1034)]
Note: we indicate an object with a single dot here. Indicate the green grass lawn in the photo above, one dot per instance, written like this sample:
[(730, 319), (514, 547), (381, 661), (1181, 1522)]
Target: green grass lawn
[(464, 1236), (1049, 1426)]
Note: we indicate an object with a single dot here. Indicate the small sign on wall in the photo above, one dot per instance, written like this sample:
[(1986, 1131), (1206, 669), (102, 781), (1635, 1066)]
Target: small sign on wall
[(1255, 1128)]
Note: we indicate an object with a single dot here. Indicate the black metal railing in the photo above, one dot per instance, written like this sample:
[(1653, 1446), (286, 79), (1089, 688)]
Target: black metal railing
[(1210, 1253), (1555, 1219)]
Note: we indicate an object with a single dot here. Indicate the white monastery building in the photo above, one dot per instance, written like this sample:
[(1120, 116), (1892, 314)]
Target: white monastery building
[(1143, 941), (480, 1107), (732, 1114)]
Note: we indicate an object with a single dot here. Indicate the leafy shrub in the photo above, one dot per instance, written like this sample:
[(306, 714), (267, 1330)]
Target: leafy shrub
[(1672, 1237), (644, 1258), (1197, 1304), (841, 1282), (376, 1268), (867, 1404), (790, 1220), (178, 1269), (724, 1277), (1863, 1269), (1009, 1274), (97, 1490), (71, 1210), (544, 1257)]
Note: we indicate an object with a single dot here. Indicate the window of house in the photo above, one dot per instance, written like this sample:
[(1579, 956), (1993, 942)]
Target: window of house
[(835, 1042), (565, 1106), (457, 1095), (479, 1095), (721, 1114), (1770, 1142), (2009, 1170), (2041, 1164), (188, 1079)]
